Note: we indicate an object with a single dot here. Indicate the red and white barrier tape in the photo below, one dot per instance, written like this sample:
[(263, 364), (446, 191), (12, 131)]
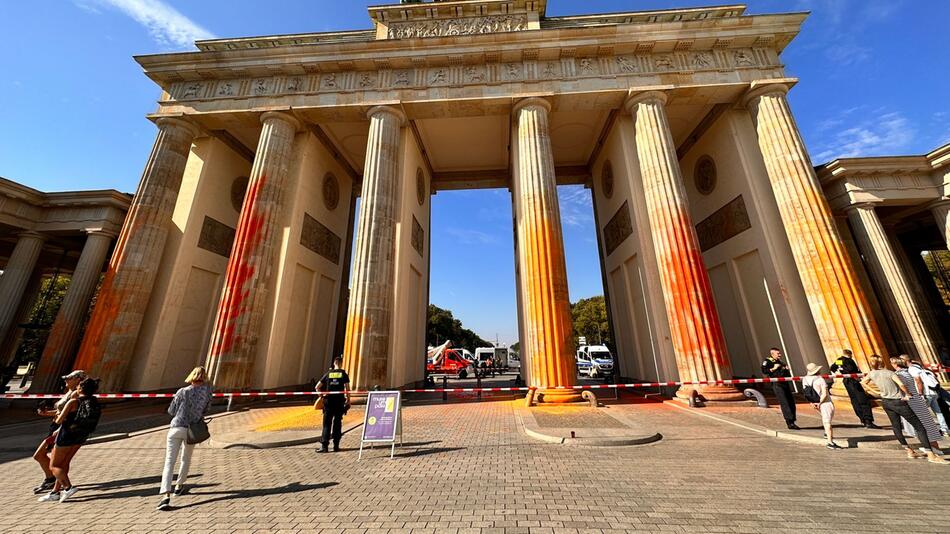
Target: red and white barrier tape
[(734, 381)]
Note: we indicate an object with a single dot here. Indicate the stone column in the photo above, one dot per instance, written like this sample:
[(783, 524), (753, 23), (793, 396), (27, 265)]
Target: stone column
[(941, 212), (16, 276), (696, 332), (368, 321), (64, 336), (838, 304), (113, 330), (548, 331), (910, 333), (251, 265)]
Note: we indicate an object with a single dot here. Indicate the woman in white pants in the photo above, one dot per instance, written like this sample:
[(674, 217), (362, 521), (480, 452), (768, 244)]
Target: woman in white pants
[(189, 406)]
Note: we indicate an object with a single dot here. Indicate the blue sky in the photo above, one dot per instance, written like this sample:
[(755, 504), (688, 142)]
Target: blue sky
[(874, 78)]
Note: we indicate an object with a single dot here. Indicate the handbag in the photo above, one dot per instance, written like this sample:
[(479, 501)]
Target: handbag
[(318, 405), (198, 432)]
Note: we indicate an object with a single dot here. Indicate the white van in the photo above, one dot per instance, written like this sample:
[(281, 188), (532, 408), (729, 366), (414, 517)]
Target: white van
[(594, 361)]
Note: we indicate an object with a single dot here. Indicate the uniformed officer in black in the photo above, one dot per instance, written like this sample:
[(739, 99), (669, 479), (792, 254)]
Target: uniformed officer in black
[(846, 365), (334, 405), (774, 367)]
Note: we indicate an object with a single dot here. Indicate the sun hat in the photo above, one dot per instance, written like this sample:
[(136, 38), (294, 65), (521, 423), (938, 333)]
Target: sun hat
[(78, 373), (813, 369)]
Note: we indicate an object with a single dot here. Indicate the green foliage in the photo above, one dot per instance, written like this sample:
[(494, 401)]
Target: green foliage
[(516, 346), (50, 298), (938, 263), (442, 325), (590, 321)]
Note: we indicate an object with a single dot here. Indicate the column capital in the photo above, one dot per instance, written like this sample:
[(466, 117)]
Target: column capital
[(391, 110), (657, 96), (532, 101), (101, 232), (281, 116), (765, 87), (166, 123), (942, 202), (859, 205), (31, 234)]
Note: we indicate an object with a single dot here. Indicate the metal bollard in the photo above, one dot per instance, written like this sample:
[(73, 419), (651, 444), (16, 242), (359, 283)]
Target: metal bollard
[(445, 385), (230, 403), (478, 385)]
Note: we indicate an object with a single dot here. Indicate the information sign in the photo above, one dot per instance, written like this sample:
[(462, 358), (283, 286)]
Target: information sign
[(381, 422)]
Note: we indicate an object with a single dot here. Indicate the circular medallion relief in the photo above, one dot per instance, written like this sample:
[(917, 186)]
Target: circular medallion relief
[(331, 191), (238, 190), (420, 187), (607, 179), (705, 175)]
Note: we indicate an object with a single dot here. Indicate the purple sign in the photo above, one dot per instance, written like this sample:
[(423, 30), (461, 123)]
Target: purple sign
[(382, 416)]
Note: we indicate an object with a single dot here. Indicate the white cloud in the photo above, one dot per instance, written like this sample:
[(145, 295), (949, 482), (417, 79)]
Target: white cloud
[(577, 208), (166, 25), (880, 133), (471, 237)]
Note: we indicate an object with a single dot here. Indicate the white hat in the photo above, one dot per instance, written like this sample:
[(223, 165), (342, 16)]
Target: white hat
[(78, 373), (813, 369)]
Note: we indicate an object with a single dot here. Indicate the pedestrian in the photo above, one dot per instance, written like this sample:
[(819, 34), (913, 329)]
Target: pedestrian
[(816, 391), (189, 406), (894, 399), (42, 454), (77, 421), (928, 385), (860, 403), (336, 401), (918, 404), (774, 367)]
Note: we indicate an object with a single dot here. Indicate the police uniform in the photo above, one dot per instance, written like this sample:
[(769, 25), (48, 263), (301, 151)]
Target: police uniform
[(859, 399), (334, 405), (782, 390)]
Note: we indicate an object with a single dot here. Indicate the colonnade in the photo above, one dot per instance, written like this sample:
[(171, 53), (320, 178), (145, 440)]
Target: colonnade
[(838, 305)]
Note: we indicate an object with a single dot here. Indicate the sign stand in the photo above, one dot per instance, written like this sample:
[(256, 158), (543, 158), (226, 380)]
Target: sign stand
[(382, 420)]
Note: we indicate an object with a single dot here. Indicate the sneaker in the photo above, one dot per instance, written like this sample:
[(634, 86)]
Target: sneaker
[(180, 490), (938, 460), (833, 446), (324, 448), (915, 455), (52, 496), (45, 487), (67, 493), (165, 503)]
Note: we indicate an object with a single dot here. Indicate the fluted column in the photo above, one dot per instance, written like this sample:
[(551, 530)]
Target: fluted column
[(911, 335), (546, 304), (16, 276), (698, 341), (838, 304), (251, 265), (369, 318), (110, 337), (941, 212), (64, 336)]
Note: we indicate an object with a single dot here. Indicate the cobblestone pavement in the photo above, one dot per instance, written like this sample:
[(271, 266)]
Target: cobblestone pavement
[(468, 468)]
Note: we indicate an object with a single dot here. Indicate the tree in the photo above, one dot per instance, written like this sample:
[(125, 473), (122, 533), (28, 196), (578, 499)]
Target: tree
[(442, 326), (590, 320)]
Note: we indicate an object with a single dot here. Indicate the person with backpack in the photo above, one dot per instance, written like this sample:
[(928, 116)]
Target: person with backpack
[(45, 449), (894, 396), (77, 421), (917, 403), (928, 385), (188, 409), (815, 390)]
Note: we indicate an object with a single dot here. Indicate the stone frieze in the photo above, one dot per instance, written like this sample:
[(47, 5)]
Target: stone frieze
[(461, 26), (566, 69)]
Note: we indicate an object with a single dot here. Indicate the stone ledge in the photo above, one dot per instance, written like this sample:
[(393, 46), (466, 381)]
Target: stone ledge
[(589, 437)]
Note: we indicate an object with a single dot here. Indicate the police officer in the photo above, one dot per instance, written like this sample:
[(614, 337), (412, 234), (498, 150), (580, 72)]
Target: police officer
[(335, 404), (846, 365), (774, 367)]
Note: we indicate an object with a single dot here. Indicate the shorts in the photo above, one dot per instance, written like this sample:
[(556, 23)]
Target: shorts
[(827, 410)]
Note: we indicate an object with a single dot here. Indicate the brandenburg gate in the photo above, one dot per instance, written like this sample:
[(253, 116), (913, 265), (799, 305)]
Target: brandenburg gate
[(715, 237)]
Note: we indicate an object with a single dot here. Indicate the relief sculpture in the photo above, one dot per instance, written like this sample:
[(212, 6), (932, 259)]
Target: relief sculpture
[(466, 26)]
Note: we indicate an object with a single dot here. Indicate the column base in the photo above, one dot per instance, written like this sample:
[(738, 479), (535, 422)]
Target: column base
[(712, 393), (557, 396)]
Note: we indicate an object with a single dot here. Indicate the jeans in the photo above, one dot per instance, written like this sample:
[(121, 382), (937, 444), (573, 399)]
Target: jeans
[(177, 441), (938, 413), (897, 411)]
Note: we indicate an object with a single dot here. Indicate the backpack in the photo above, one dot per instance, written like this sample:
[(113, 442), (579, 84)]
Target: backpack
[(929, 380), (811, 395), (87, 415)]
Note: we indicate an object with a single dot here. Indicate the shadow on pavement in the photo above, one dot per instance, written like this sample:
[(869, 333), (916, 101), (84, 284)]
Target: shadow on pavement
[(295, 487), (149, 491), (426, 452)]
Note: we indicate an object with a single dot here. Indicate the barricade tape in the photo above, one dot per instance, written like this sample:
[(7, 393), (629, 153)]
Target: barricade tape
[(729, 382)]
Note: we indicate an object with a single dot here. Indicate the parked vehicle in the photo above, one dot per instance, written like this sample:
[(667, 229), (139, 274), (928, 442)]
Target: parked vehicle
[(492, 358), (514, 360), (450, 362), (594, 361)]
